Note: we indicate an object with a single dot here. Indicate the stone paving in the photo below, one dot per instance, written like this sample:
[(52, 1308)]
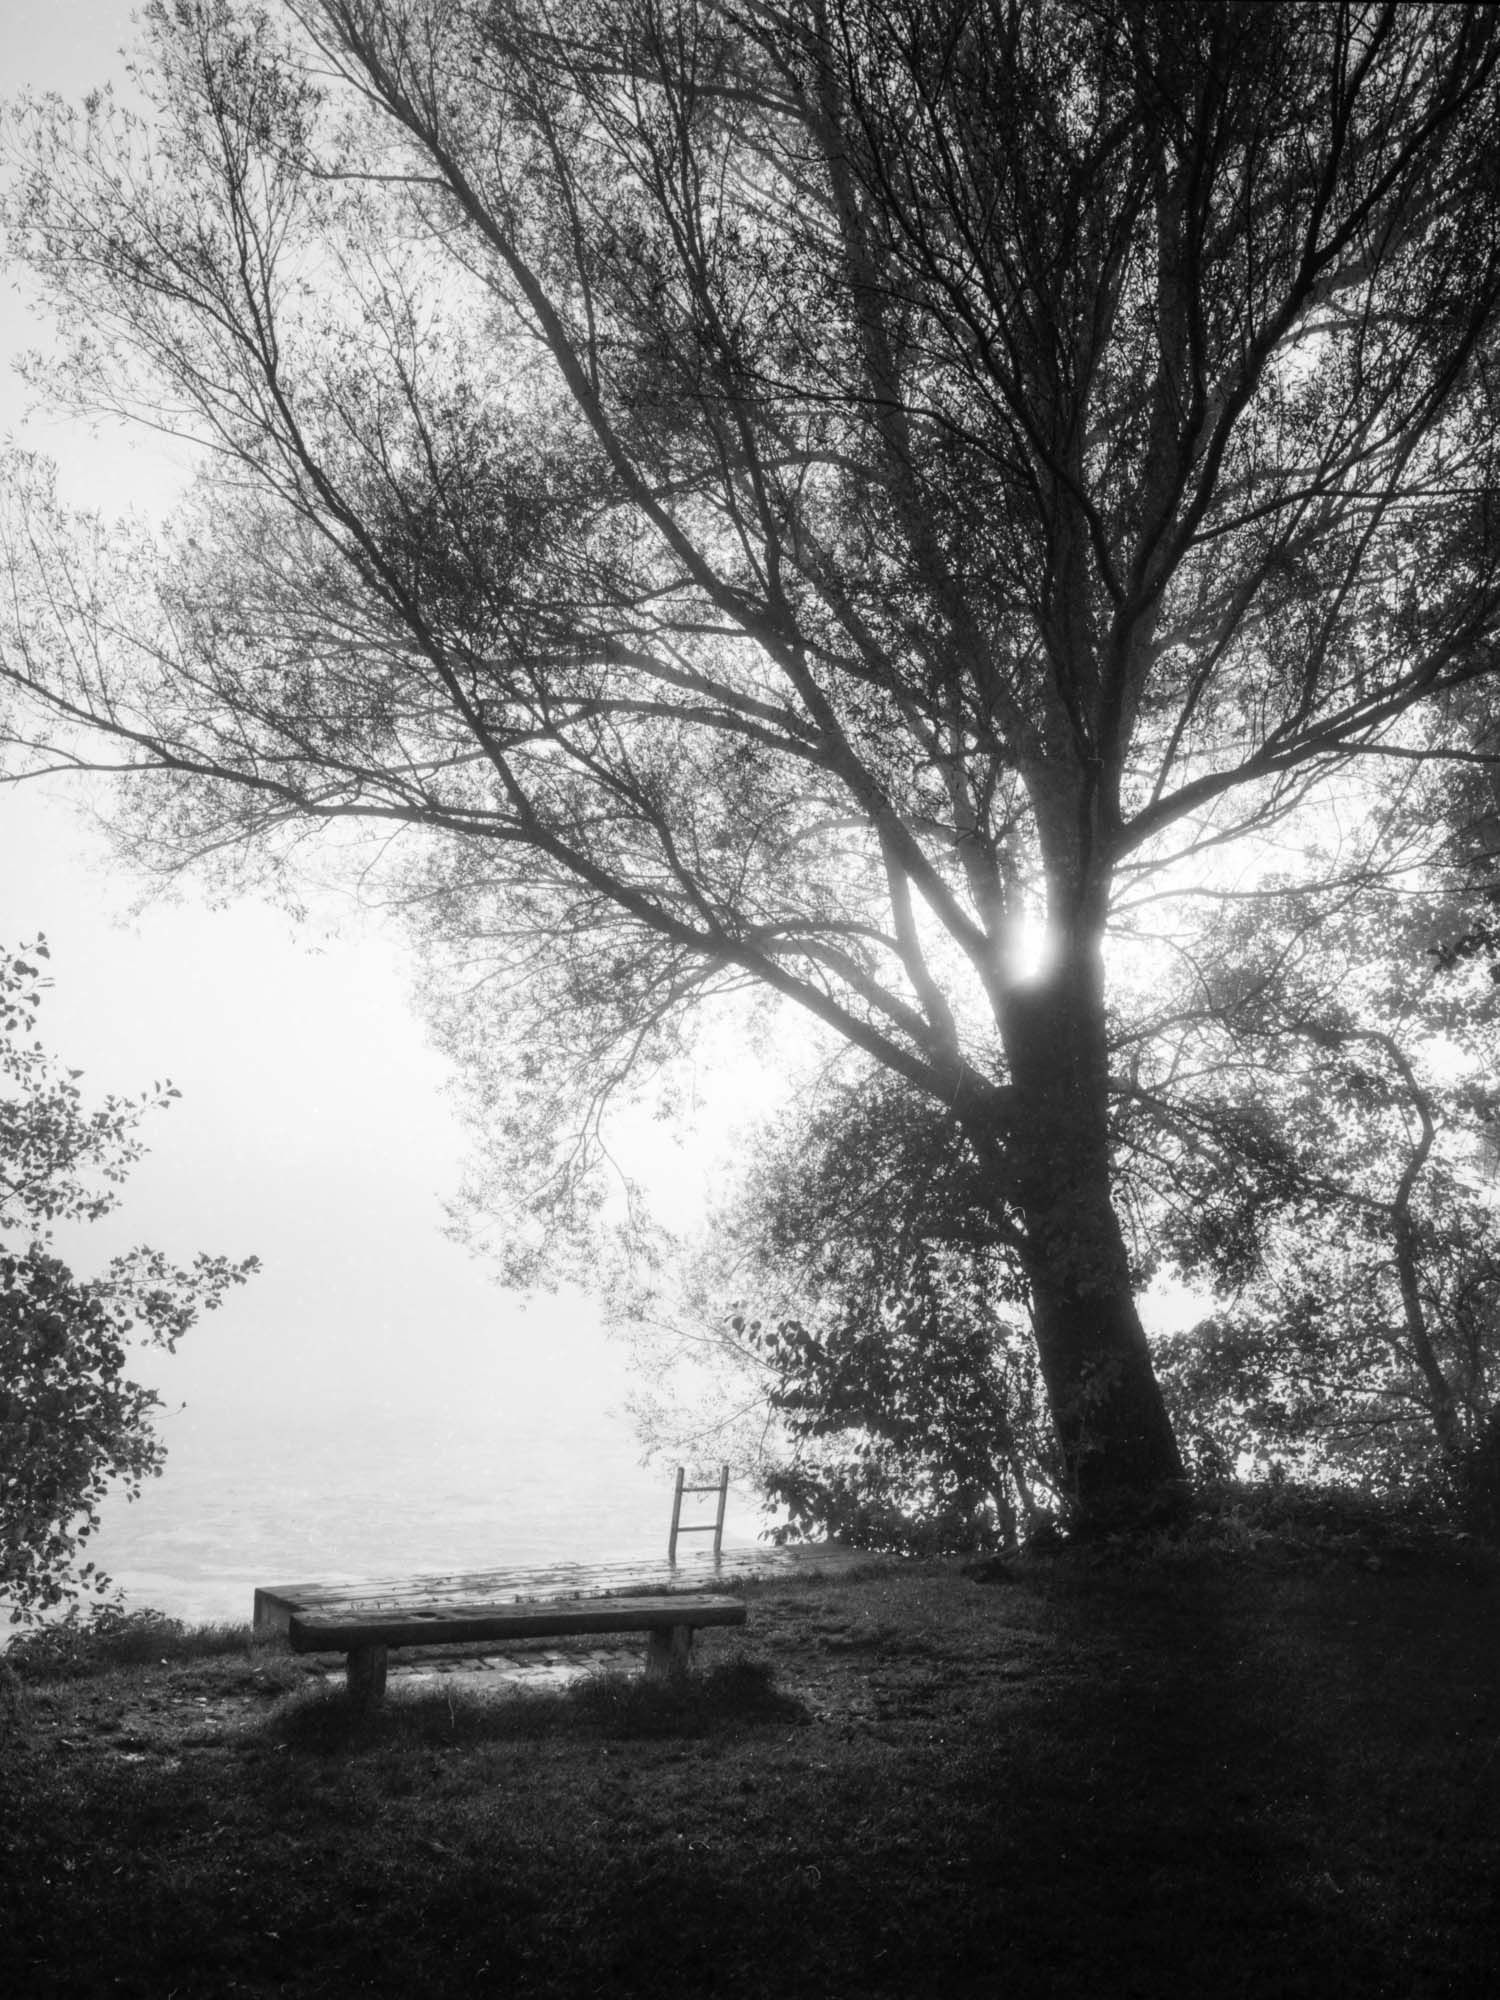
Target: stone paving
[(538, 1669)]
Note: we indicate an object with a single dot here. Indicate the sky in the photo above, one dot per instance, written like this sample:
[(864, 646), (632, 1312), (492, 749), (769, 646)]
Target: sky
[(313, 1128)]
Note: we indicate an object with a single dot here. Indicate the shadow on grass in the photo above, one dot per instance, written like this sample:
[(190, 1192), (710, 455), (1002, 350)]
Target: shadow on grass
[(724, 1698), (1158, 1791), (1135, 1780), (1233, 1783), (1141, 1812)]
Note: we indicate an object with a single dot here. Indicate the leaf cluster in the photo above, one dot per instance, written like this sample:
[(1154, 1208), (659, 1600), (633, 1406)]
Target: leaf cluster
[(914, 1410), (72, 1422), (1321, 1116), (882, 1305)]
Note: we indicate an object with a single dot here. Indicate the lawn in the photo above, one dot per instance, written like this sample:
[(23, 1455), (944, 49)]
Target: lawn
[(1260, 1769)]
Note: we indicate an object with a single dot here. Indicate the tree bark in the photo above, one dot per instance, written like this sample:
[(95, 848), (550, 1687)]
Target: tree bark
[(1121, 1464), (1441, 1400)]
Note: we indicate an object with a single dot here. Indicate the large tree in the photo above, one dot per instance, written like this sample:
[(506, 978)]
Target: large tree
[(807, 494)]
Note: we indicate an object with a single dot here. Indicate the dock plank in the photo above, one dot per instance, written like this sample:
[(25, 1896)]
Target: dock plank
[(277, 1604)]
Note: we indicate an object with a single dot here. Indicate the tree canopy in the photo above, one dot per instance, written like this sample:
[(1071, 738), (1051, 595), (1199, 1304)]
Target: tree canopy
[(825, 496)]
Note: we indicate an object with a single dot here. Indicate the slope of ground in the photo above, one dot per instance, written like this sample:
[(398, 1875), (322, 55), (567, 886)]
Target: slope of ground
[(1268, 1770)]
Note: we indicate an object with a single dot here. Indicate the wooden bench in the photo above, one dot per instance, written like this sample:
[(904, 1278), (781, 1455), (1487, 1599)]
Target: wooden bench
[(366, 1636)]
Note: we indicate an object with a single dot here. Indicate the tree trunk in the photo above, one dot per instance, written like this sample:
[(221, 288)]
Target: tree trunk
[(1121, 1463), (1481, 1485)]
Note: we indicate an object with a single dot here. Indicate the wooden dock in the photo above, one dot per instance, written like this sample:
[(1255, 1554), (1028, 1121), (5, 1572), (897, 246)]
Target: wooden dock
[(277, 1604)]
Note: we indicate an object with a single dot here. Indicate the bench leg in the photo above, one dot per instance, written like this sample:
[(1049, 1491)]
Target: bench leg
[(366, 1675), (668, 1652)]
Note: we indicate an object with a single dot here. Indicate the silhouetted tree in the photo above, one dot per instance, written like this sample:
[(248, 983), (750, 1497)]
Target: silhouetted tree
[(813, 495)]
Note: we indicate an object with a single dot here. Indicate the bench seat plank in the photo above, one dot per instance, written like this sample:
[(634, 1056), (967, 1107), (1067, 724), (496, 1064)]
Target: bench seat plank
[(456, 1622)]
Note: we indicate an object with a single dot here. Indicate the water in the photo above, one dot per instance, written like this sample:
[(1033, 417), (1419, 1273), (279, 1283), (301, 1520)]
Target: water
[(252, 1498)]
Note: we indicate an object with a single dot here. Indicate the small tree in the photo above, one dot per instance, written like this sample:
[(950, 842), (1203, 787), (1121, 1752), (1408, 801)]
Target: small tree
[(914, 1412), (857, 1295), (71, 1421), (1333, 1087)]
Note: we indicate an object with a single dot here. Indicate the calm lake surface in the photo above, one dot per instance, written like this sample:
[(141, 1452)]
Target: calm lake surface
[(252, 1498)]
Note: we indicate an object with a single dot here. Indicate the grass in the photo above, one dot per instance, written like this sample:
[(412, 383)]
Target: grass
[(1262, 1765), (70, 1647)]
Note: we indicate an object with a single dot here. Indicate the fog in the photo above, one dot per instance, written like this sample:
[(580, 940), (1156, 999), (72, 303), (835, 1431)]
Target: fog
[(312, 1131)]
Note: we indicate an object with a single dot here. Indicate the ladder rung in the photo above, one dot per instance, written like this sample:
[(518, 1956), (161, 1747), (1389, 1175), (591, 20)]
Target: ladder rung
[(715, 1527)]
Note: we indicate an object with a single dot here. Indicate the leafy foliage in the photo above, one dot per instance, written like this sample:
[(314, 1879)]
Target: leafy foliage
[(72, 1423), (1329, 1173), (915, 1415), (856, 1288)]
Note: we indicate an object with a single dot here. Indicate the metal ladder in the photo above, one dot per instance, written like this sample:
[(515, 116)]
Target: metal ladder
[(714, 1527)]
